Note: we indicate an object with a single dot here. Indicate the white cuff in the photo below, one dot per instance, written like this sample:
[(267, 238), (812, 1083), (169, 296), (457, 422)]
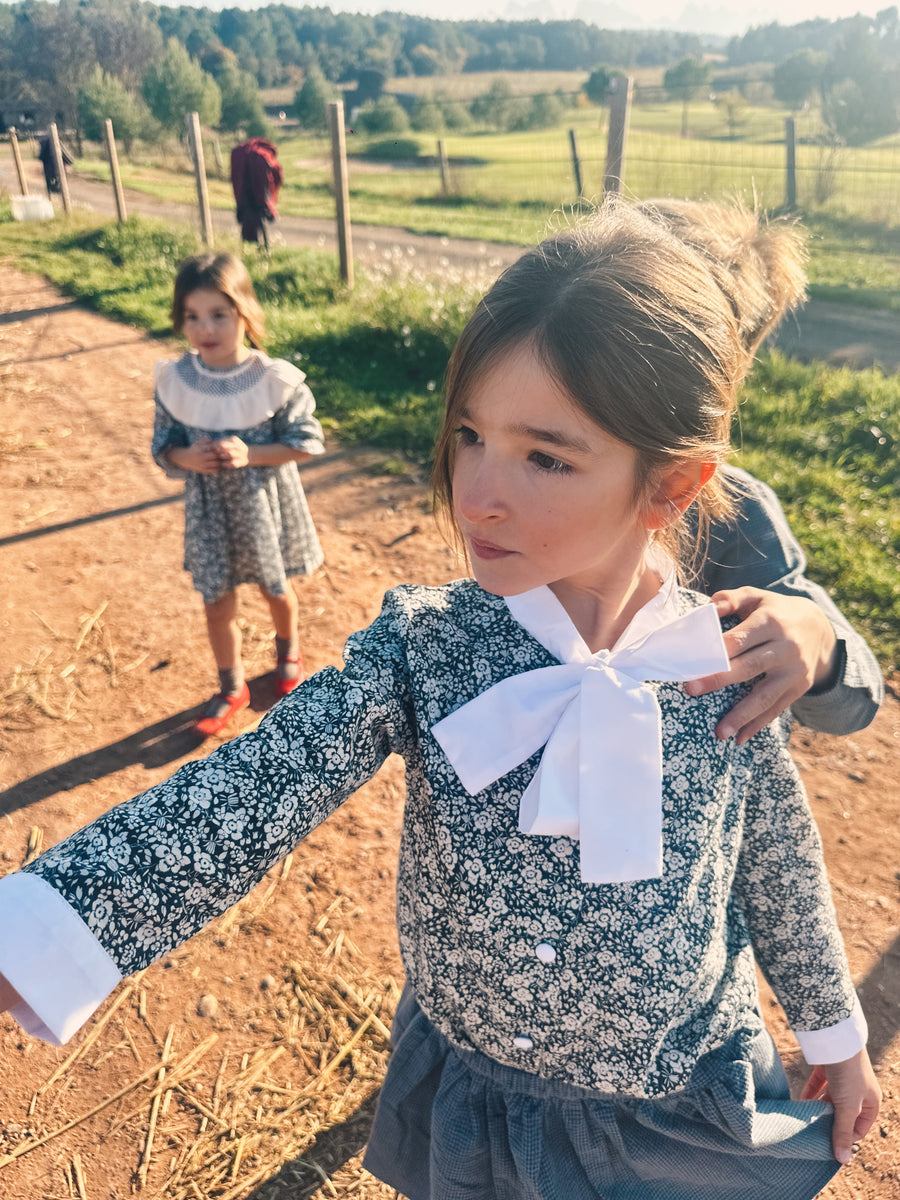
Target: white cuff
[(51, 958), (838, 1042)]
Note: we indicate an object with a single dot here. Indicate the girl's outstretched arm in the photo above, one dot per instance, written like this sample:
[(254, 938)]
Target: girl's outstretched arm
[(853, 1090), (149, 873)]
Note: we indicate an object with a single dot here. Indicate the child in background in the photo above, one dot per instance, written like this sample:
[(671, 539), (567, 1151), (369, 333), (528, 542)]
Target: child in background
[(234, 424), (586, 871)]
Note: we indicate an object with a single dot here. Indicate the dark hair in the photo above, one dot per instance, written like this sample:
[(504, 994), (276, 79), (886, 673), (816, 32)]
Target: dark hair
[(222, 273), (634, 325)]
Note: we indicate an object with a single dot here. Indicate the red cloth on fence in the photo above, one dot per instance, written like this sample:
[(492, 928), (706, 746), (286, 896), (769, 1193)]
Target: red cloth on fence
[(256, 180)]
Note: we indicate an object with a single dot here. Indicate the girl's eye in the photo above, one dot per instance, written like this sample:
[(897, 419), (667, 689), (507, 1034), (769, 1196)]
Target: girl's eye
[(546, 462), (466, 436)]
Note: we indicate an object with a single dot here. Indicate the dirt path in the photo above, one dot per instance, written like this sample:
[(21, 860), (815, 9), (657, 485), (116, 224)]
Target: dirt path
[(103, 662)]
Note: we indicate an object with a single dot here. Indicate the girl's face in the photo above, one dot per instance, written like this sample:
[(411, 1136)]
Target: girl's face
[(541, 494), (214, 328)]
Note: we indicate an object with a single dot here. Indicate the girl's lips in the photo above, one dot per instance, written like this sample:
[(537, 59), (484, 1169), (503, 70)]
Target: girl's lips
[(487, 549)]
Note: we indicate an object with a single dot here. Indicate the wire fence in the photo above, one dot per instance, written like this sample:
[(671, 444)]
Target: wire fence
[(503, 185), (714, 148)]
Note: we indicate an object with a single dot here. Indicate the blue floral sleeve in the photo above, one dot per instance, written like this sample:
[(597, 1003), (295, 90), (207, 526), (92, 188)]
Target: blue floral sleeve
[(167, 432), (295, 424), (783, 889), (153, 871)]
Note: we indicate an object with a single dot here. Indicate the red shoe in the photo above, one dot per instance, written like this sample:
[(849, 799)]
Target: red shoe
[(220, 710), (285, 686)]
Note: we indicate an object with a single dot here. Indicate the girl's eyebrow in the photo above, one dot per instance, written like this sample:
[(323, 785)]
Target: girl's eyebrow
[(553, 437)]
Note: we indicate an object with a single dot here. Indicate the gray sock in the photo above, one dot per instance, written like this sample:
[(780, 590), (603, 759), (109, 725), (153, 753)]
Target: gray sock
[(231, 681), (287, 648)]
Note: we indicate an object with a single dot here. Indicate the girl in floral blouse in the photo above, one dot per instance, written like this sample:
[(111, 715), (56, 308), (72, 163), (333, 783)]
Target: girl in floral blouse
[(587, 872), (233, 424)]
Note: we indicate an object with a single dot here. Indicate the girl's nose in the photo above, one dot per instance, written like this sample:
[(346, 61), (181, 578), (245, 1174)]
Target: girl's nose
[(478, 492)]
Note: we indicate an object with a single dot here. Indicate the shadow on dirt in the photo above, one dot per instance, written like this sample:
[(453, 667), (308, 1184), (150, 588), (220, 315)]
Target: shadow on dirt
[(26, 314), (331, 1150), (30, 534), (77, 351), (878, 994), (156, 746)]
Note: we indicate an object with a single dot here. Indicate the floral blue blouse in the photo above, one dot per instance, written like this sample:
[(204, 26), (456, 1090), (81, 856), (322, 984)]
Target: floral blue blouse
[(615, 987), (252, 524)]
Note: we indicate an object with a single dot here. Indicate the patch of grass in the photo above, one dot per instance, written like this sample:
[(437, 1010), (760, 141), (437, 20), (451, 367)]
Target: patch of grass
[(827, 440), (854, 262)]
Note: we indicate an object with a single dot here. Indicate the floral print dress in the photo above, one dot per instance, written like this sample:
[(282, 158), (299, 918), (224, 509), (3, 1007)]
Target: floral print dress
[(251, 524)]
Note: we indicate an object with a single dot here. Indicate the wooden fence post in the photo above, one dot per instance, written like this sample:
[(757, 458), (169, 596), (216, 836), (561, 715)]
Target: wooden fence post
[(341, 188), (576, 165), (790, 147), (445, 167), (619, 113), (17, 159), (114, 169), (60, 168), (196, 144)]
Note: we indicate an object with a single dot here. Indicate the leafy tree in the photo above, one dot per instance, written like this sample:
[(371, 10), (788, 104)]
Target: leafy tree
[(242, 106), (55, 52), (498, 106), (104, 96), (178, 85), (799, 77), (370, 84), (596, 86), (384, 115), (311, 101), (857, 113), (733, 104), (686, 81), (425, 60), (125, 38), (861, 95), (438, 112), (542, 111)]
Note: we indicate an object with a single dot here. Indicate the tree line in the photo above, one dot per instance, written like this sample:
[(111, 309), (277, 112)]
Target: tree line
[(145, 65)]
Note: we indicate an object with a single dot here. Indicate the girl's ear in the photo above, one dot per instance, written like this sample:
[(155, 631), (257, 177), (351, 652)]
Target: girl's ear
[(676, 490)]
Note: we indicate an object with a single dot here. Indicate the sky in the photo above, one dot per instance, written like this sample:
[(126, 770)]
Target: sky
[(694, 16)]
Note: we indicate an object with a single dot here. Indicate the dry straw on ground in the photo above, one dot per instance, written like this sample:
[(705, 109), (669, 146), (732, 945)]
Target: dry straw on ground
[(258, 1123)]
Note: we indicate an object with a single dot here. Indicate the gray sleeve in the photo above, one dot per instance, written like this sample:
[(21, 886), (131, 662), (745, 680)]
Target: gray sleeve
[(295, 424), (758, 549)]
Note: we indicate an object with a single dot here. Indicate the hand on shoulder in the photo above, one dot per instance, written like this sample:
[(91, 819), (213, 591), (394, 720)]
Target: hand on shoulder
[(786, 643)]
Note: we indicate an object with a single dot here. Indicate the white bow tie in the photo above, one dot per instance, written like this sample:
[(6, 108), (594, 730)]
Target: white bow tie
[(600, 776)]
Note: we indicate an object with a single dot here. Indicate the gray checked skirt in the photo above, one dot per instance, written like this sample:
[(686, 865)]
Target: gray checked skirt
[(456, 1125)]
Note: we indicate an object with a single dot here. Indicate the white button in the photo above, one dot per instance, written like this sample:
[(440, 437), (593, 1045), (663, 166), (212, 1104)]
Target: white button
[(545, 952), (523, 1043)]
